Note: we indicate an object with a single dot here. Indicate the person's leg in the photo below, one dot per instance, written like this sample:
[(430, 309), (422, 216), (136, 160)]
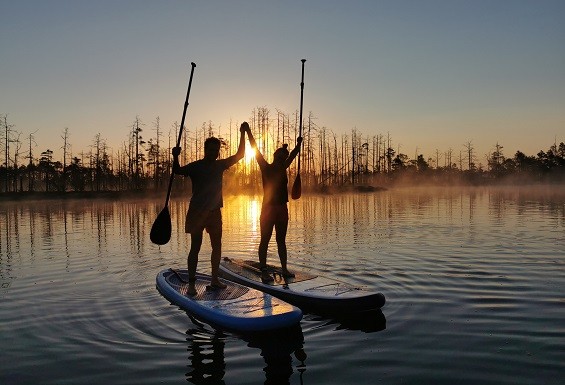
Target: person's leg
[(192, 260), (193, 226), (266, 233), (216, 242), (281, 227), (214, 228)]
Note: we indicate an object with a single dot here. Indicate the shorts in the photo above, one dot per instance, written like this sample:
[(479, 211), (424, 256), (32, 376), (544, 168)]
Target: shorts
[(198, 220), (272, 215)]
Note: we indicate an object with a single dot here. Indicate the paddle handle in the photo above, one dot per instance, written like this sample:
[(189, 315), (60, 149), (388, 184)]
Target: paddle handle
[(192, 64)]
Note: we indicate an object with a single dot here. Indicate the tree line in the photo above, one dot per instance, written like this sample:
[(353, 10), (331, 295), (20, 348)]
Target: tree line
[(329, 160)]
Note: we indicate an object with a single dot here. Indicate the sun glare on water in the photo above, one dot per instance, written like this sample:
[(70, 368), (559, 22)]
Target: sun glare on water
[(254, 213)]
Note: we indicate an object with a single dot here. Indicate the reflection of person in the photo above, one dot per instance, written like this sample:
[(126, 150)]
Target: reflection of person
[(274, 210), (204, 209), (277, 348), (207, 358), (207, 350)]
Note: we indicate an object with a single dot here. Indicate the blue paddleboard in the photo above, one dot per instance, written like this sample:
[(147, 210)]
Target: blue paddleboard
[(308, 291), (237, 307)]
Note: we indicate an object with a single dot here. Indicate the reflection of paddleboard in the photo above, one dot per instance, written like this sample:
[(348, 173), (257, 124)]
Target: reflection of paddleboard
[(308, 291), (237, 307)]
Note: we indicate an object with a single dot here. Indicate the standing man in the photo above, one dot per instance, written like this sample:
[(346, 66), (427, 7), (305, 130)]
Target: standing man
[(274, 210), (204, 211)]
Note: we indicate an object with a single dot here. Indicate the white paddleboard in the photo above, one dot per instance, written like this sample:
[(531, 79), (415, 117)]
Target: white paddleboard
[(308, 291), (237, 307)]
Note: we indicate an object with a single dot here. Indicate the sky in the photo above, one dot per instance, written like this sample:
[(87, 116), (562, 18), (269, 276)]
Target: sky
[(435, 75)]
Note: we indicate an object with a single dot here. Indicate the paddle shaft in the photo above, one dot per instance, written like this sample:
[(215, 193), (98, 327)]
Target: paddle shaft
[(180, 130), (301, 103), (297, 186)]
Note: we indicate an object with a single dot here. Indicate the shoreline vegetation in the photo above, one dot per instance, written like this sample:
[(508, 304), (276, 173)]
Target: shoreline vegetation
[(330, 163)]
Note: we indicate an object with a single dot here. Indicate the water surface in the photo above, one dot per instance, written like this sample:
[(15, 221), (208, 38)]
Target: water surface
[(474, 281)]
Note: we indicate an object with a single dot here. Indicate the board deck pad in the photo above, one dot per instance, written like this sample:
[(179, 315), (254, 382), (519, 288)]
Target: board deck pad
[(306, 290), (179, 281), (251, 270), (236, 307)]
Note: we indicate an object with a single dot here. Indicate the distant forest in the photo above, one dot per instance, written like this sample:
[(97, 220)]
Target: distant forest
[(329, 160)]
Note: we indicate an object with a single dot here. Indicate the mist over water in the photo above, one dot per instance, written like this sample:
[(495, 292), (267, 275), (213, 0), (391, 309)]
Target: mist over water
[(474, 280)]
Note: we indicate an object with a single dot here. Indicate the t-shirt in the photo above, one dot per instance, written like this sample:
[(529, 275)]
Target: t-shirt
[(206, 177), (275, 181)]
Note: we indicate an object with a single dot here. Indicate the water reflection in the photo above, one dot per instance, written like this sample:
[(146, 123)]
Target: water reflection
[(206, 357), (207, 361), (483, 266), (277, 349), (282, 350), (32, 227), (358, 216)]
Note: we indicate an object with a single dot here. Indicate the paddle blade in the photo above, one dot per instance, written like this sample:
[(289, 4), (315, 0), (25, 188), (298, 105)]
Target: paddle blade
[(161, 229), (296, 188)]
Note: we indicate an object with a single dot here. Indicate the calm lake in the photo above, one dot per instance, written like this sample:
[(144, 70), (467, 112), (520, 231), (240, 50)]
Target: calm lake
[(474, 281)]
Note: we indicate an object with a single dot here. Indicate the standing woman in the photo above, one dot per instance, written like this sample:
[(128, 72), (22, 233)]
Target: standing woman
[(274, 210)]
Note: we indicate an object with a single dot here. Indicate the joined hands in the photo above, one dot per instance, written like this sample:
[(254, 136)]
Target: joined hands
[(244, 127)]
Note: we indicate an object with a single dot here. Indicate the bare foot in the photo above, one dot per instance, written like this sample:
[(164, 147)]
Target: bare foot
[(287, 274), (265, 276), (216, 285), (191, 289)]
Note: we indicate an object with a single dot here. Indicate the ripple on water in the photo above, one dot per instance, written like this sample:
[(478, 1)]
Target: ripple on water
[(473, 280)]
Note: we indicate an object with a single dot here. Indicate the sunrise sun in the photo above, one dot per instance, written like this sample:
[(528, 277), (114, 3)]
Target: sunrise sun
[(249, 153)]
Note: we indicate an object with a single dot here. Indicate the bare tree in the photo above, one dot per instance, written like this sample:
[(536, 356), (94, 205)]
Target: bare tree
[(16, 172), (470, 155), (97, 160), (30, 165), (65, 147), (137, 141), (7, 130)]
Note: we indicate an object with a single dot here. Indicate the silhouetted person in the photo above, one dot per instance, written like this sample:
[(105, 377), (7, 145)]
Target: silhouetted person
[(274, 210), (204, 211)]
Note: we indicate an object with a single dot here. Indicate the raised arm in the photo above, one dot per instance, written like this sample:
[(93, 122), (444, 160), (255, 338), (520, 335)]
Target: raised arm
[(260, 159), (230, 161), (295, 151)]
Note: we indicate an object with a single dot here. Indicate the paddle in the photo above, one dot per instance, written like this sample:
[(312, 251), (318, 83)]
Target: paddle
[(297, 186), (161, 229)]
